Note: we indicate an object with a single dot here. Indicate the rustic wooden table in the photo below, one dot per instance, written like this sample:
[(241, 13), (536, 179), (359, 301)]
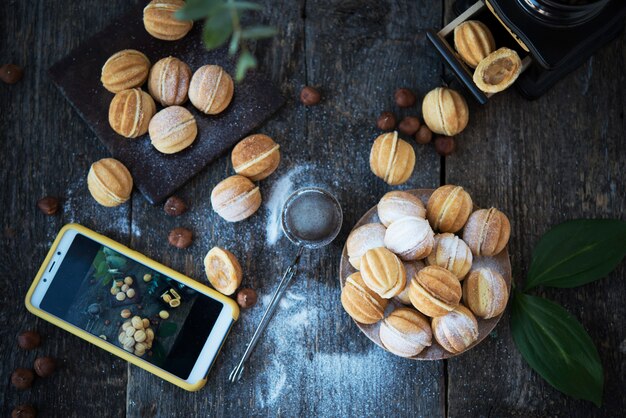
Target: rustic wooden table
[(543, 162)]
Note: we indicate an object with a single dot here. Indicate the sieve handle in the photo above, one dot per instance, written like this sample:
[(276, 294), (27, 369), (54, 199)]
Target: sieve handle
[(235, 375)]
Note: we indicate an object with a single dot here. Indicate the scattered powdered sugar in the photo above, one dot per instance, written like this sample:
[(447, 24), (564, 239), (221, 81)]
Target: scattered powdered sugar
[(279, 193)]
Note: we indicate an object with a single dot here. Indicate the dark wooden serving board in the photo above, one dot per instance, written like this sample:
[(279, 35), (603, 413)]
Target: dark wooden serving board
[(158, 175)]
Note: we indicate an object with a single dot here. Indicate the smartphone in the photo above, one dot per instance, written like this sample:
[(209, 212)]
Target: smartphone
[(99, 289)]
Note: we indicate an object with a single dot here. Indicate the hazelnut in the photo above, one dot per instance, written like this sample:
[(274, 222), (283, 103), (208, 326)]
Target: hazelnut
[(383, 272), (109, 182), (130, 293), (445, 145), (125, 70), (180, 237), (168, 82), (485, 292), (223, 270), (147, 277), (256, 157), (456, 330), (445, 111), (392, 159), (172, 130), (130, 112), (360, 302), (174, 206), (11, 73), (473, 41), (423, 135), (487, 232), (164, 314), (409, 125), (386, 121), (448, 208), (24, 411), (498, 70), (48, 205), (310, 96), (405, 97), (211, 89), (22, 378), (160, 21), (246, 298), (29, 340), (45, 366), (435, 291), (235, 198)]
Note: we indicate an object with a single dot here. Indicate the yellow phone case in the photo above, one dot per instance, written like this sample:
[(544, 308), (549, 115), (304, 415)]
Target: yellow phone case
[(108, 346)]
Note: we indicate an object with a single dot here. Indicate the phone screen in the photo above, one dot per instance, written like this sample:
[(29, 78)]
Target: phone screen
[(131, 306)]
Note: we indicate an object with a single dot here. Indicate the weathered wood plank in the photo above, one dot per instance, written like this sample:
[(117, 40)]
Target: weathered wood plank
[(543, 162), (48, 150)]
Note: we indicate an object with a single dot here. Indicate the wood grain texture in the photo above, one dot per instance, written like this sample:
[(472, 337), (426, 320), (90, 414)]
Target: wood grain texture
[(557, 158)]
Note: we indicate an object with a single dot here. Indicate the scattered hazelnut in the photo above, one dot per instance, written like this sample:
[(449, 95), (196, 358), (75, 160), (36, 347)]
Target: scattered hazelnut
[(405, 98), (180, 237), (386, 121), (29, 340), (11, 73), (445, 145), (126, 313), (246, 298), (22, 378), (174, 206), (48, 205), (310, 96), (24, 411), (45, 366), (423, 135), (409, 125), (164, 314), (147, 277)]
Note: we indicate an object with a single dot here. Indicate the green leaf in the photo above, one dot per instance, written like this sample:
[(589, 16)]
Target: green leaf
[(557, 347), (245, 63), (258, 32), (234, 43), (577, 252), (198, 9), (166, 329), (217, 30)]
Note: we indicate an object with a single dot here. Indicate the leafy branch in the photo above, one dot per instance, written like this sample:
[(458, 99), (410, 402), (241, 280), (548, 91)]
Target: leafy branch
[(549, 338), (222, 21)]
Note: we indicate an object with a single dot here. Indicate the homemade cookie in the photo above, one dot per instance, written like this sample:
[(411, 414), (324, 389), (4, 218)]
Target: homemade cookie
[(125, 70), (256, 157), (160, 22), (487, 232), (410, 238), (451, 253), (405, 332), (383, 272), (360, 302), (109, 182), (211, 89), (435, 291), (445, 111), (448, 208), (456, 330), (168, 81), (392, 159), (364, 238), (485, 292), (130, 112), (223, 270), (172, 129), (397, 204), (235, 198)]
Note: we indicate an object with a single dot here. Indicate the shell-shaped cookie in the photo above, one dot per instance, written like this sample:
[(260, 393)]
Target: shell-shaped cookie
[(130, 112), (487, 232), (109, 182), (256, 157), (160, 22), (383, 272), (223, 270), (445, 111), (435, 291), (456, 330), (448, 208), (125, 70), (392, 159), (173, 129), (473, 41), (235, 198), (405, 332), (211, 89), (169, 80), (451, 253), (410, 238), (397, 204), (360, 302), (411, 268), (485, 292), (498, 70), (364, 238)]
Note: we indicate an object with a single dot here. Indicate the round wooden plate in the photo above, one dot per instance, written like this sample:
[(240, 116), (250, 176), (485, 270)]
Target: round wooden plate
[(500, 263)]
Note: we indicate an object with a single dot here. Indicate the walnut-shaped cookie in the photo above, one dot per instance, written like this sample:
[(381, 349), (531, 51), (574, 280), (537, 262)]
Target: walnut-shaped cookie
[(456, 330), (364, 238), (130, 112), (256, 157), (160, 22), (445, 111), (392, 159), (383, 272), (448, 208), (125, 70), (405, 332), (172, 130), (473, 41), (410, 238), (235, 198), (487, 232), (223, 270), (498, 70), (168, 81), (211, 89), (451, 253), (485, 292), (360, 302), (398, 204), (109, 182), (411, 268), (435, 291)]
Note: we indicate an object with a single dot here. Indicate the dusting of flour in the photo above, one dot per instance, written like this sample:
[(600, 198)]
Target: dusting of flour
[(279, 193)]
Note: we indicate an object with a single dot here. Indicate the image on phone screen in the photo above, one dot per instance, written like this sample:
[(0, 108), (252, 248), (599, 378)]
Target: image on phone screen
[(95, 285)]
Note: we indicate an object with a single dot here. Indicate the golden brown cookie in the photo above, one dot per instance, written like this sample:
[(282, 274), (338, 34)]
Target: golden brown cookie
[(235, 198), (498, 70), (364, 238), (456, 330), (392, 159), (451, 253), (398, 204), (473, 41), (130, 112), (485, 292), (211, 89), (383, 272), (109, 182), (405, 332), (410, 238), (445, 111), (223, 270), (448, 208), (125, 70), (360, 302), (487, 232), (256, 157), (160, 22), (435, 291), (172, 129), (169, 80)]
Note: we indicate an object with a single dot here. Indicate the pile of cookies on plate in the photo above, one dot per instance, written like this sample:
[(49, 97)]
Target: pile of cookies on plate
[(421, 258)]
